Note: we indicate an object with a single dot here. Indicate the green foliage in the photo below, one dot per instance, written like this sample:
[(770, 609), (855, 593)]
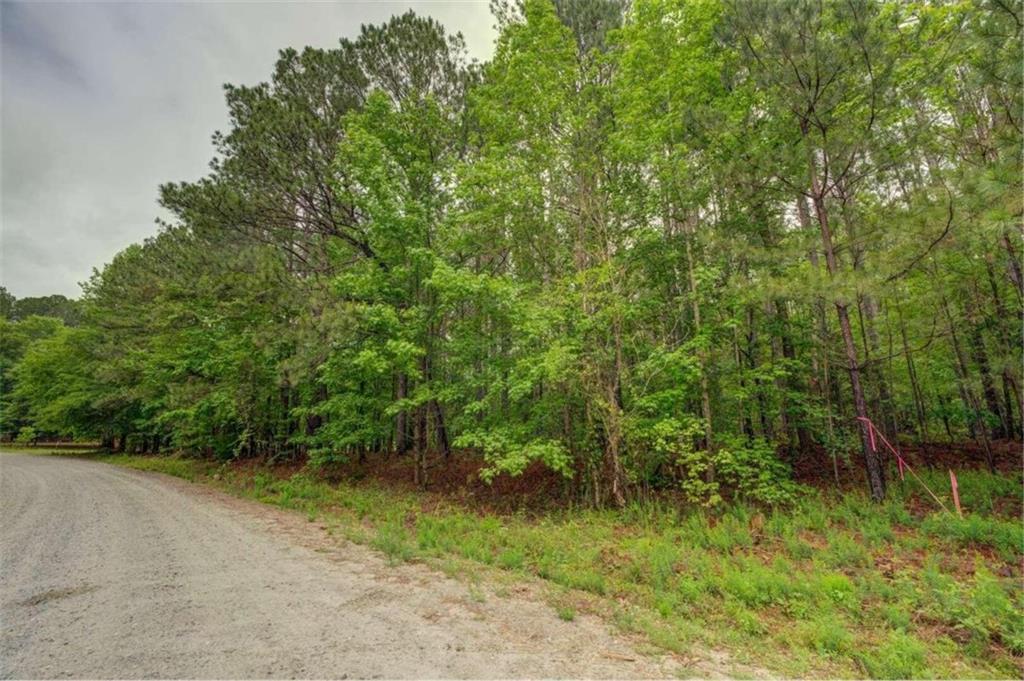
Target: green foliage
[(826, 636), (754, 471), (392, 541), (628, 249), (668, 251), (26, 435), (504, 454), (1005, 536), (901, 656)]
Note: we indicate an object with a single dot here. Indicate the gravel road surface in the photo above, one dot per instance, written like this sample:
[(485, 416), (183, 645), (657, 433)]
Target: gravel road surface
[(112, 573)]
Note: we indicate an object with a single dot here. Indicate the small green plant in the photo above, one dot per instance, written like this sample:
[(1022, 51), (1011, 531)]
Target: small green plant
[(1007, 537), (743, 618), (477, 594), (756, 585), (902, 656), (511, 559), (837, 588), (26, 436), (566, 613), (391, 539), (827, 636), (584, 580), (845, 552), (662, 559)]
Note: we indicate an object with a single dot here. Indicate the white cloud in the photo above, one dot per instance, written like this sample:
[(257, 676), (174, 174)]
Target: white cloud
[(103, 102)]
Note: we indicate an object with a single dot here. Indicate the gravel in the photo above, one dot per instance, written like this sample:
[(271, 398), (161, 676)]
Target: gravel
[(112, 573)]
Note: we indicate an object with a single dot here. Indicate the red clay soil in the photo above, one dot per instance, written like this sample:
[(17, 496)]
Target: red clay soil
[(815, 467), (539, 489), (458, 479)]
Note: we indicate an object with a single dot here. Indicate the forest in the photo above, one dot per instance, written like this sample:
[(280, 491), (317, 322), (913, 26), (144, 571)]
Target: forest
[(680, 245)]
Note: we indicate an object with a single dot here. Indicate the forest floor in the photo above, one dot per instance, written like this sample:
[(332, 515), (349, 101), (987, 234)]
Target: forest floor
[(834, 586)]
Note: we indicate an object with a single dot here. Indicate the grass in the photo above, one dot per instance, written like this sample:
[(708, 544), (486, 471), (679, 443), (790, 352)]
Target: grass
[(833, 587)]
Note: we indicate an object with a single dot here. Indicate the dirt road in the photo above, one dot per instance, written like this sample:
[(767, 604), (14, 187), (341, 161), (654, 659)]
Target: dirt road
[(106, 572)]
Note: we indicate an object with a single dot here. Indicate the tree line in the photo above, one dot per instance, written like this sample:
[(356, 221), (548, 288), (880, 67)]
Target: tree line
[(670, 243)]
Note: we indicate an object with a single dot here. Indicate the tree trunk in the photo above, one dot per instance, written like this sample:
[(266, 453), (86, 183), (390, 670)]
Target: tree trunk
[(1015, 271), (872, 463), (794, 420), (915, 387), (988, 388), (705, 391), (420, 446), (967, 394), (402, 417), (440, 430)]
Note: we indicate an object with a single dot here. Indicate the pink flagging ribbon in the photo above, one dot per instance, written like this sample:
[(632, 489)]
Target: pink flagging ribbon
[(874, 447), (871, 434), (903, 465)]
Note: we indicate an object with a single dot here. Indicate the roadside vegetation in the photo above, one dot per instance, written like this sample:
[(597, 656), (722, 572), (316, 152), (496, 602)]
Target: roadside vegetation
[(683, 265), (832, 586)]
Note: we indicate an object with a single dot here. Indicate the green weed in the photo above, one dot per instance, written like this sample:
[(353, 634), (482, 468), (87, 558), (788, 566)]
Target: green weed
[(826, 636), (902, 656), (391, 539), (1006, 537)]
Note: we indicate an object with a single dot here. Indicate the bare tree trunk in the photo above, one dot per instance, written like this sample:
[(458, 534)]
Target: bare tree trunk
[(885, 406), (440, 429), (803, 438), (966, 392), (988, 388), (1015, 271), (915, 387), (872, 463), (705, 391), (420, 446), (753, 352), (745, 424), (402, 417)]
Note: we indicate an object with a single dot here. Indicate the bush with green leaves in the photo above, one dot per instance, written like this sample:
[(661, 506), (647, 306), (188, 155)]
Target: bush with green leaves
[(26, 436)]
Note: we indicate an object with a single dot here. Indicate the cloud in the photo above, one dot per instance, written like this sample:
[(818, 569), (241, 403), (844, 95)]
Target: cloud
[(103, 102)]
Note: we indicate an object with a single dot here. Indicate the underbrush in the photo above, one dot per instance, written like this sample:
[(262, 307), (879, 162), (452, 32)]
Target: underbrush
[(833, 585)]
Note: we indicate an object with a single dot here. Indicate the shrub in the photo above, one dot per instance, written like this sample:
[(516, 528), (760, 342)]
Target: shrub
[(26, 435), (753, 470)]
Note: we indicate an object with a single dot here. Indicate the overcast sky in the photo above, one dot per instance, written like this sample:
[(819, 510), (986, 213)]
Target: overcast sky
[(102, 102)]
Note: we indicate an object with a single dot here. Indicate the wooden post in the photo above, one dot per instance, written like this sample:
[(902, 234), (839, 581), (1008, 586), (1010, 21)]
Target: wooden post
[(956, 493)]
